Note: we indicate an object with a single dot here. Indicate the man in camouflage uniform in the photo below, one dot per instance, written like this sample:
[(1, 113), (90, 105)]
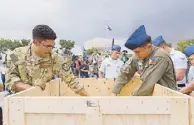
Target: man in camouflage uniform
[(36, 64), (153, 64)]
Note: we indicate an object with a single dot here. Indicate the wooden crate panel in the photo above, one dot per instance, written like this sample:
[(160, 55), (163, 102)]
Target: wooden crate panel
[(98, 110), (95, 87), (100, 87), (55, 119), (136, 120)]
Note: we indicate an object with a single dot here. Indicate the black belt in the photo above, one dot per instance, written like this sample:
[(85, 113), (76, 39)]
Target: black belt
[(181, 85)]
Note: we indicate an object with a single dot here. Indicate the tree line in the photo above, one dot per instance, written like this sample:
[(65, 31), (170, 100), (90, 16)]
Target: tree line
[(9, 44), (67, 45), (12, 44)]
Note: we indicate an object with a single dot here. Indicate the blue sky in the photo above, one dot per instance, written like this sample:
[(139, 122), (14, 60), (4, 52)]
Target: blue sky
[(82, 20)]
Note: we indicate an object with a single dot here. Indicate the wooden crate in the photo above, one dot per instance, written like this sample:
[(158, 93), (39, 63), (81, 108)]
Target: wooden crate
[(100, 87), (50, 107)]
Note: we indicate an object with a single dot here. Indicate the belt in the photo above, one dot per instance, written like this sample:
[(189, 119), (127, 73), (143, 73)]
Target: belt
[(181, 85)]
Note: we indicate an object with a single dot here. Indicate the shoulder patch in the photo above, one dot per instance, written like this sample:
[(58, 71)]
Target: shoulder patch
[(154, 60), (13, 57), (65, 67)]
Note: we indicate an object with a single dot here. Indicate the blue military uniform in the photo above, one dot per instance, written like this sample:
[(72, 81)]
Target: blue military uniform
[(179, 59), (156, 68)]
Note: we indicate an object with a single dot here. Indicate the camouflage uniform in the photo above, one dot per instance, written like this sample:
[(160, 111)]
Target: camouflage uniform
[(29, 69), (157, 68)]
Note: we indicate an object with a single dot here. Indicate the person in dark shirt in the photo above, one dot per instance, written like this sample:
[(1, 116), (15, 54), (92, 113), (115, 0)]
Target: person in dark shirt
[(84, 70)]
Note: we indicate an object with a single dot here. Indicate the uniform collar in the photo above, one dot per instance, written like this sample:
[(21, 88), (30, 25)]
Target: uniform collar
[(112, 58), (153, 49), (172, 52), (33, 56)]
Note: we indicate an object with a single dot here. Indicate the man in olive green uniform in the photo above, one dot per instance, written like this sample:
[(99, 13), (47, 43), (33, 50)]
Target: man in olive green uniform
[(37, 64), (153, 64)]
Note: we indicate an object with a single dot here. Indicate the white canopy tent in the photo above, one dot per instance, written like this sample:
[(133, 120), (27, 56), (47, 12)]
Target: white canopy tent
[(104, 43)]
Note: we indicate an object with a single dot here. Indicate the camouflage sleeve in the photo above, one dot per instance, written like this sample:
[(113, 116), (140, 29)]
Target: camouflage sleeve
[(126, 73), (151, 76), (62, 69), (12, 74)]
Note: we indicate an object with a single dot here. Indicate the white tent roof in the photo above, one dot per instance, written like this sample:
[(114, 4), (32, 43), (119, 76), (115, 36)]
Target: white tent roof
[(105, 43), (77, 50)]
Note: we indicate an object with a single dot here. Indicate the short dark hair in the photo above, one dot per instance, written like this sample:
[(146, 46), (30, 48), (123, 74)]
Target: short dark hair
[(43, 32), (149, 39)]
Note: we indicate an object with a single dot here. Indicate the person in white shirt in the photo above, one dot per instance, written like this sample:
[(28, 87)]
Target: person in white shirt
[(110, 67), (179, 60), (189, 89)]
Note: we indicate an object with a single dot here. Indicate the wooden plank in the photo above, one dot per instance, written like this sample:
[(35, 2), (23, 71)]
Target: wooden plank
[(190, 108), (55, 87), (2, 96), (93, 117), (136, 120), (95, 87), (55, 119), (158, 90), (129, 88), (16, 113), (135, 105), (180, 111), (192, 111), (170, 92), (6, 111), (115, 105), (74, 105), (51, 89), (33, 91), (98, 87), (164, 91)]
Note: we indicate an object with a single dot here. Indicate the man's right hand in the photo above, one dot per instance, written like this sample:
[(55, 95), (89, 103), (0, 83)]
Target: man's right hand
[(21, 86)]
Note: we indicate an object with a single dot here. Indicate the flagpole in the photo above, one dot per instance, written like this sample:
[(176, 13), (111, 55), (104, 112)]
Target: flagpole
[(113, 42)]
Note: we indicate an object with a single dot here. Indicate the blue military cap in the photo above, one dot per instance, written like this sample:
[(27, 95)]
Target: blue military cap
[(189, 50), (116, 48), (137, 39), (158, 41)]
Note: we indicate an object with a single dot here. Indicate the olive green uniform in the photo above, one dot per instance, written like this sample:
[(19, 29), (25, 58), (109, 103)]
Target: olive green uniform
[(157, 68)]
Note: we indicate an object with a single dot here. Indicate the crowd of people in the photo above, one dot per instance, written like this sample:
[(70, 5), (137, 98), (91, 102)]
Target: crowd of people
[(94, 65)]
